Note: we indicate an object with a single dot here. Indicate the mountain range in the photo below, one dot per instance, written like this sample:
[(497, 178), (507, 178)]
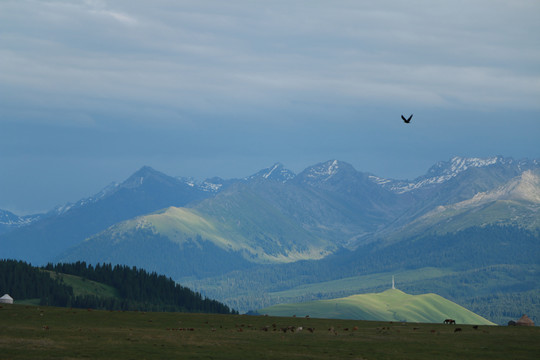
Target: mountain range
[(243, 240)]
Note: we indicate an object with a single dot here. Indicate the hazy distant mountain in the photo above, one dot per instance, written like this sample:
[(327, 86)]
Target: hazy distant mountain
[(361, 207), (276, 172), (497, 168), (145, 191), (459, 179), (274, 216), (515, 202), (10, 221)]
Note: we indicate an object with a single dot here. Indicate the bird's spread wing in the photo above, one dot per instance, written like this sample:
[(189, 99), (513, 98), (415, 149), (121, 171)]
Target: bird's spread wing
[(403, 117)]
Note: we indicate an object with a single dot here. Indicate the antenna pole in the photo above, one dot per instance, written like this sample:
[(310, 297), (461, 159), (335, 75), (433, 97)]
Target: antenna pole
[(393, 285)]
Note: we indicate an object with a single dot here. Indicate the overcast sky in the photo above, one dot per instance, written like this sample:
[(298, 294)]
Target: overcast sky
[(92, 90)]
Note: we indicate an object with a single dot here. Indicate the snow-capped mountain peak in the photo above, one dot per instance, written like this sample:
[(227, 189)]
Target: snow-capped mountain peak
[(269, 173), (324, 171), (276, 172), (10, 220), (444, 171), (459, 164)]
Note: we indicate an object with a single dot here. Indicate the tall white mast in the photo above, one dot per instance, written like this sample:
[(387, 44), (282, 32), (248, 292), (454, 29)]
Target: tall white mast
[(393, 285)]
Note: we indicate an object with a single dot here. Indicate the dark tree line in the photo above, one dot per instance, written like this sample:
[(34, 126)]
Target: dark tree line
[(23, 281), (137, 289)]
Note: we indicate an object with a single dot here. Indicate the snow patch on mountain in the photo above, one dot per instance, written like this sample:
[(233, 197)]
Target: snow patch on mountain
[(213, 185), (323, 172), (379, 180), (267, 175), (9, 219)]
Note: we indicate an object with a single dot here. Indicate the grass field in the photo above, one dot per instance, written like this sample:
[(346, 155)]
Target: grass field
[(30, 332)]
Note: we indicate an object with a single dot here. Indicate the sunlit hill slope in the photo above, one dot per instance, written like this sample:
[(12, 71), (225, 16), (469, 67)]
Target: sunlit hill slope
[(390, 305)]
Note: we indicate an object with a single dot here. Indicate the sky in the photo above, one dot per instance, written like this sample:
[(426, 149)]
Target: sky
[(92, 90)]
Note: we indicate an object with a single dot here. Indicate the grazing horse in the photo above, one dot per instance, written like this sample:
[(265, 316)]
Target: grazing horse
[(449, 321)]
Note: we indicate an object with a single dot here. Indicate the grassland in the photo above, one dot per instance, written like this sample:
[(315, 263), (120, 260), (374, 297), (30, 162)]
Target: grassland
[(30, 332), (82, 286)]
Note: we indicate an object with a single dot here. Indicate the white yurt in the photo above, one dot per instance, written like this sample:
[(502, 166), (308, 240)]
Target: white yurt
[(6, 299)]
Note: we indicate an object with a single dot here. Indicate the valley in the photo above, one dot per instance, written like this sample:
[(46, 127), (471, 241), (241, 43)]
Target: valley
[(467, 230)]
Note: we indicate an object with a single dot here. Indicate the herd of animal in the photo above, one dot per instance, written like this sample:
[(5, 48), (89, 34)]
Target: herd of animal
[(331, 330)]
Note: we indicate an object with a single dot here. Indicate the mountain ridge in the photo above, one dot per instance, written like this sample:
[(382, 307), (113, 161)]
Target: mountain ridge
[(147, 190), (330, 200)]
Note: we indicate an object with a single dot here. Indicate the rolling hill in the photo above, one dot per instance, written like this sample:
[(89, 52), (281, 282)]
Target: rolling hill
[(390, 305)]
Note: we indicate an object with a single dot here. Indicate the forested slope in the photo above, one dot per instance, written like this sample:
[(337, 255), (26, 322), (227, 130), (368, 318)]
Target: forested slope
[(135, 288)]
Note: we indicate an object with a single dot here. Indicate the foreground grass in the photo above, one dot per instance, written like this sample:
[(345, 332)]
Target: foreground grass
[(29, 332)]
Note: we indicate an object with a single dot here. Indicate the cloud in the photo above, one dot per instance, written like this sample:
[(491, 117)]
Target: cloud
[(199, 56)]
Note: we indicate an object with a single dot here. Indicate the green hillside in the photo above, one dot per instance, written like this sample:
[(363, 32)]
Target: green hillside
[(84, 287), (390, 305), (256, 231)]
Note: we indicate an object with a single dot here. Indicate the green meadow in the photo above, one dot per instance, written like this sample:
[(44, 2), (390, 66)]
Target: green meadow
[(31, 332), (389, 305)]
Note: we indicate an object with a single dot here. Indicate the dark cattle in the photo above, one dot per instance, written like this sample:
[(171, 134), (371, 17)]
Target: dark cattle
[(457, 329), (449, 321)]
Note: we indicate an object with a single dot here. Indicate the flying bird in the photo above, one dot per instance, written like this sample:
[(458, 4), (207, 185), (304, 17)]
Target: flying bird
[(407, 120)]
